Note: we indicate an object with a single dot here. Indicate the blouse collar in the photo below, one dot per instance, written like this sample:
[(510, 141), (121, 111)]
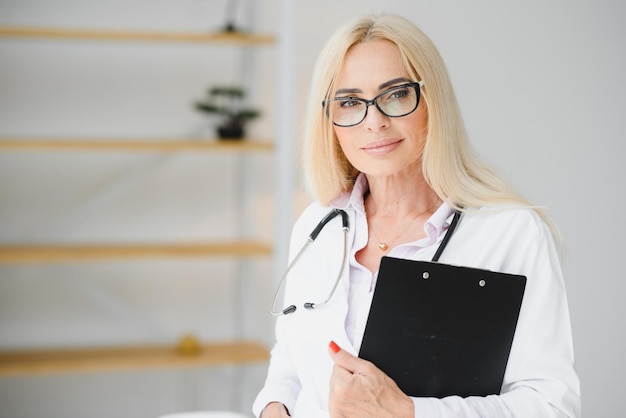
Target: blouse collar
[(354, 199)]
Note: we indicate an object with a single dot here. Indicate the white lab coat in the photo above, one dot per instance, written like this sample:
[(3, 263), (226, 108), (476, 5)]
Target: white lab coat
[(540, 380)]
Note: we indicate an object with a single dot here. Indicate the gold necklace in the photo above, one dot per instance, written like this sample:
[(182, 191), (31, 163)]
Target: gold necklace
[(384, 246)]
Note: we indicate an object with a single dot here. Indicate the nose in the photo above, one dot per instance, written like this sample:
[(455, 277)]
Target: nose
[(375, 119)]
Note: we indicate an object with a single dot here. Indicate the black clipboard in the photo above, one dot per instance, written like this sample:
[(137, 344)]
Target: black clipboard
[(439, 330)]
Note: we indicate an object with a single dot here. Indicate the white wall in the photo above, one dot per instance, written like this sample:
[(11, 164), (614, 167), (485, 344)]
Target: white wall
[(541, 88)]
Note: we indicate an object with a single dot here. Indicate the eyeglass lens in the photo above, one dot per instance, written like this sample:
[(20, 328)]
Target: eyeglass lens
[(395, 102)]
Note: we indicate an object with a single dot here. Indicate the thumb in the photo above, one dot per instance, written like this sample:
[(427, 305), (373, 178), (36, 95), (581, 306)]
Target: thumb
[(342, 358)]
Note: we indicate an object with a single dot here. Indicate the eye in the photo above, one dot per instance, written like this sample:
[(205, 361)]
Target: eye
[(398, 94), (346, 102)]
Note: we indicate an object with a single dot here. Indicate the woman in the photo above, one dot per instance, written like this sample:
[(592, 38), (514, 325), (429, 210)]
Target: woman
[(388, 146)]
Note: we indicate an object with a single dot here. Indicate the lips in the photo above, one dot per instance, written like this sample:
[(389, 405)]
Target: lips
[(382, 146)]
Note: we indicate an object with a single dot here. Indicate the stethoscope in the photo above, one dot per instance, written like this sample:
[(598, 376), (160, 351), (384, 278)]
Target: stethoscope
[(346, 228)]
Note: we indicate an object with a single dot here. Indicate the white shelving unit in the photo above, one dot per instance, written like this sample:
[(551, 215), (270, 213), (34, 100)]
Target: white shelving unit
[(185, 354)]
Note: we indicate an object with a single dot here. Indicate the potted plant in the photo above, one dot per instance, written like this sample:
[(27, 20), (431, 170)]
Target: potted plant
[(227, 102)]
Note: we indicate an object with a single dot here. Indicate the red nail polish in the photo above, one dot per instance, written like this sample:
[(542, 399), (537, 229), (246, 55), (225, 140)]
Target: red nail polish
[(334, 347)]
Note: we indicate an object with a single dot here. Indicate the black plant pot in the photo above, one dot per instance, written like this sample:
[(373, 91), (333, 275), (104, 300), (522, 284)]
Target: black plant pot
[(231, 130)]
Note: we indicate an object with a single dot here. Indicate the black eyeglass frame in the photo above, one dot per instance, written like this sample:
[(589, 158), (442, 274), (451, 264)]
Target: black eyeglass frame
[(416, 85)]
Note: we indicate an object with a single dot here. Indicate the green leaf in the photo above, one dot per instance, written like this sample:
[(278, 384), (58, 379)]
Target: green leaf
[(235, 92)]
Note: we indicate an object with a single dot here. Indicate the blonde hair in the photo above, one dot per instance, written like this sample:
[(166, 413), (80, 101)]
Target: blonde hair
[(449, 164)]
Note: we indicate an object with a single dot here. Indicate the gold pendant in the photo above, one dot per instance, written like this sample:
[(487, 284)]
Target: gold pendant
[(383, 246)]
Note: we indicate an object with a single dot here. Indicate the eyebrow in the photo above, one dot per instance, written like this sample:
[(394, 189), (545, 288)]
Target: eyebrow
[(381, 87)]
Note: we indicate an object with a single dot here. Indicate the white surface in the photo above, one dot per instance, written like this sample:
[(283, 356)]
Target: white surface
[(206, 414)]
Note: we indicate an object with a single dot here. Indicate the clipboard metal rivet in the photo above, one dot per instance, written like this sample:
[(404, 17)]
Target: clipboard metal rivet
[(425, 275), (482, 283)]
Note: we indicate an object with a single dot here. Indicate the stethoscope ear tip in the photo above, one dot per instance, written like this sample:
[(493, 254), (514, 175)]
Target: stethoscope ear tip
[(289, 309)]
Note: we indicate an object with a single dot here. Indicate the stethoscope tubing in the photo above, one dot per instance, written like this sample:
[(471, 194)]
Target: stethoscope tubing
[(345, 225)]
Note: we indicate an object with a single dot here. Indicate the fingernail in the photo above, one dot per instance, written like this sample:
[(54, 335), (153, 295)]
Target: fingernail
[(334, 347)]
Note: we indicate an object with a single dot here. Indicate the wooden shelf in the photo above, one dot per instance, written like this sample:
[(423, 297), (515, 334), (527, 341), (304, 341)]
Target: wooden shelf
[(145, 36), (157, 145), (20, 363), (19, 254)]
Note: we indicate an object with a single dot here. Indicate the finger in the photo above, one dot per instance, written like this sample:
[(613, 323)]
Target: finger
[(346, 360), (275, 410)]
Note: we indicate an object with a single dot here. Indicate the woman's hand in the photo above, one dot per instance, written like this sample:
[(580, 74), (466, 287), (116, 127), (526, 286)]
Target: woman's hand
[(360, 389), (275, 410)]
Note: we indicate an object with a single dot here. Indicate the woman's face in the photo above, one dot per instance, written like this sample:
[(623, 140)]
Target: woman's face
[(380, 145)]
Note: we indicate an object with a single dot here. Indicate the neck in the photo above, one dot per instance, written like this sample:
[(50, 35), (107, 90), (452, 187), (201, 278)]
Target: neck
[(396, 198)]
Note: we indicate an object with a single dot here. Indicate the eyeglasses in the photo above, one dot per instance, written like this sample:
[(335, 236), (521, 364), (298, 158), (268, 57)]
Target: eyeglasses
[(395, 102)]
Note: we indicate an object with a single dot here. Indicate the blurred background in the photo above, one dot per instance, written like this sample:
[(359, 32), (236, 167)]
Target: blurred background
[(541, 89)]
